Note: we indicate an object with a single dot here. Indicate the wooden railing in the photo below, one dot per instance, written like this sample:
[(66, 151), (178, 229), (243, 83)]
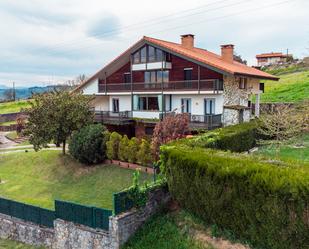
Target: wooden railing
[(204, 121), (189, 85), (113, 117)]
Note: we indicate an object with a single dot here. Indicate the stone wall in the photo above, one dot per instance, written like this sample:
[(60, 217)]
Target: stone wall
[(68, 235), (26, 232), (232, 94), (124, 225), (230, 117)]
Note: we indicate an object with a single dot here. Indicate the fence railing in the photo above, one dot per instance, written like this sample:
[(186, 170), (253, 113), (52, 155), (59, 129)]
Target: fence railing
[(89, 216), (203, 85), (37, 215)]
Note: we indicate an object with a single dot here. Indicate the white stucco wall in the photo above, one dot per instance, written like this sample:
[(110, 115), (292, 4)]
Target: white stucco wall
[(124, 102), (101, 103), (197, 103), (91, 87)]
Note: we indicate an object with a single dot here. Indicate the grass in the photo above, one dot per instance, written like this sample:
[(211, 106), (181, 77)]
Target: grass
[(9, 244), (38, 178), (293, 87), (7, 123), (165, 231), (10, 107), (287, 150)]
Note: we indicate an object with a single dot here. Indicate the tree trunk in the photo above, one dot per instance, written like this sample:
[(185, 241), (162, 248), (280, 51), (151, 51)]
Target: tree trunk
[(63, 147)]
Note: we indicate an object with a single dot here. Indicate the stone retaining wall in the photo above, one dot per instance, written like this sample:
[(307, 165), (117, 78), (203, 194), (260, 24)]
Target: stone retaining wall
[(26, 232), (68, 235)]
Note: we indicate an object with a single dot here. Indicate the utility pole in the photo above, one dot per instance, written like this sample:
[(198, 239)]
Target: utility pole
[(14, 93)]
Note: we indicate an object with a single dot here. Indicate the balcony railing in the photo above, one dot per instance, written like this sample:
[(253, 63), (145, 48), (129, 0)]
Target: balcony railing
[(109, 117), (201, 121), (190, 85)]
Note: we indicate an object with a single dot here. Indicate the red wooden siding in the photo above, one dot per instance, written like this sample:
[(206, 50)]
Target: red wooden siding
[(176, 73)]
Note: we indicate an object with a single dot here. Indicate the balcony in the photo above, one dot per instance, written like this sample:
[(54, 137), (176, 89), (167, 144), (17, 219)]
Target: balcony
[(108, 117), (212, 85), (208, 122)]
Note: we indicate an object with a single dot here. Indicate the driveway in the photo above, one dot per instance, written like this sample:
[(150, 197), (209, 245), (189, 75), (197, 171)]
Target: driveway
[(4, 142)]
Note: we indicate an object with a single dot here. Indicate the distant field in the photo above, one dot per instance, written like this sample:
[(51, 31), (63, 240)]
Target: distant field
[(9, 107), (292, 87)]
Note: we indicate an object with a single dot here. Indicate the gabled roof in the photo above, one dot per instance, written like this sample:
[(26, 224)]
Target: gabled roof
[(270, 55), (197, 55)]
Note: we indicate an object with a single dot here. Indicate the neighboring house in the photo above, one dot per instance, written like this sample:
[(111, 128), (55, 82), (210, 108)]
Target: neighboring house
[(154, 77), (271, 59)]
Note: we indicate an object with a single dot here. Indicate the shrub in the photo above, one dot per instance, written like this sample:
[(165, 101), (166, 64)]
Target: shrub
[(144, 156), (259, 202), (88, 144), (133, 148), (112, 146), (123, 148), (237, 138)]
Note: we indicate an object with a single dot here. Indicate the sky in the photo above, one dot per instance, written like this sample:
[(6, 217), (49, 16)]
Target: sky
[(51, 41)]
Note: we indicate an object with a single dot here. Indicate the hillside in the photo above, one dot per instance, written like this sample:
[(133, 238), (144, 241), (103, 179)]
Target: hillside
[(9, 107), (292, 87)]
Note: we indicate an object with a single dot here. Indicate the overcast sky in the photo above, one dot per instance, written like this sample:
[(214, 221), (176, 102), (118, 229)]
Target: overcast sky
[(50, 41)]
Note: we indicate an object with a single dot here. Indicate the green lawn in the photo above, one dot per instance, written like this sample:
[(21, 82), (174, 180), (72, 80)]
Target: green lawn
[(9, 244), (288, 150), (291, 87), (38, 178), (7, 123), (166, 231), (16, 106)]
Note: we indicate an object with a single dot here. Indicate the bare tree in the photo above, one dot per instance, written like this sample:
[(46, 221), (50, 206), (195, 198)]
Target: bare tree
[(280, 124)]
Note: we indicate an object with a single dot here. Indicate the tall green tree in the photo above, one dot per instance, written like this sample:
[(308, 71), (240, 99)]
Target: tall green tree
[(54, 116)]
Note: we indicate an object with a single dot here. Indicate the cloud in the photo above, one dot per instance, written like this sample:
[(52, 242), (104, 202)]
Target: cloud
[(106, 27), (59, 39)]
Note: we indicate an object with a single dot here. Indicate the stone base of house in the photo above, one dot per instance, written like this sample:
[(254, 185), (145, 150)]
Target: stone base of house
[(235, 115)]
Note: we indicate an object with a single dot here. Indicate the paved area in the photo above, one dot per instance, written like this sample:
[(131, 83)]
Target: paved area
[(4, 142)]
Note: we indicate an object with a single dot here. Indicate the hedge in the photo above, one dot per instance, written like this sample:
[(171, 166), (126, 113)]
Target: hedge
[(265, 204), (236, 138)]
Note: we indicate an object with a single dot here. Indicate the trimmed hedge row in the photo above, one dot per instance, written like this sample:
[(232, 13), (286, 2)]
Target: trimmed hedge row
[(265, 204), (237, 138)]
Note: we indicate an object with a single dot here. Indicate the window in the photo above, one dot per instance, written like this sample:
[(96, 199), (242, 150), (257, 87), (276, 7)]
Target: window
[(115, 105), (148, 54), (188, 74), (143, 55), (156, 76), (127, 77), (151, 54), (146, 103), (136, 57), (209, 106), (242, 83), (186, 105), (149, 130)]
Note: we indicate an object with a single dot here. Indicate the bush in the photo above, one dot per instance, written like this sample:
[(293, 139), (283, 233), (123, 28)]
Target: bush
[(133, 147), (112, 146), (88, 144), (144, 156), (259, 202), (123, 148), (236, 138)]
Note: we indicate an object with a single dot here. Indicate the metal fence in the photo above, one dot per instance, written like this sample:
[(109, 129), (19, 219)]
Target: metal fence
[(122, 202), (85, 215), (27, 212)]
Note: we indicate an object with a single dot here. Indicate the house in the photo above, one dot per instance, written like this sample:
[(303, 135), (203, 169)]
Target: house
[(155, 77), (271, 58)]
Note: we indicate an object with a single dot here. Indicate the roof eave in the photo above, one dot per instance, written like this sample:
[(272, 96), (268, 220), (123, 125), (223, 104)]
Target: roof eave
[(274, 78)]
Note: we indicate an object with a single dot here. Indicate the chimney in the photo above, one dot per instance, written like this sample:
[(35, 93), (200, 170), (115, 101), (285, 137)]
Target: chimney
[(227, 52), (187, 41)]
